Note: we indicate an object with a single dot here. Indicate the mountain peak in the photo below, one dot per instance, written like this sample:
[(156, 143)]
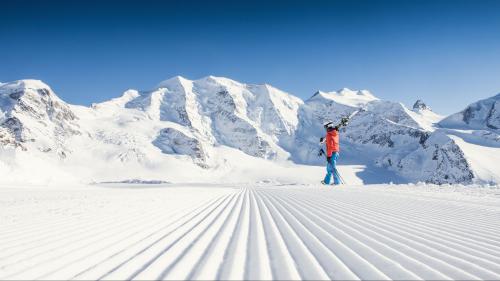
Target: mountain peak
[(344, 90), (213, 77), (352, 93), (320, 95), (219, 80), (25, 84), (483, 114), (15, 90), (420, 105), (346, 96), (172, 81)]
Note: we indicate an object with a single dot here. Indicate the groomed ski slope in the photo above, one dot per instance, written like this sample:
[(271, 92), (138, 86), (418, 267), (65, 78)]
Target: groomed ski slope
[(255, 231)]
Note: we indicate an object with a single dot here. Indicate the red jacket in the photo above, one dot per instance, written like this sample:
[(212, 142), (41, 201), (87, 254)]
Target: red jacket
[(332, 142)]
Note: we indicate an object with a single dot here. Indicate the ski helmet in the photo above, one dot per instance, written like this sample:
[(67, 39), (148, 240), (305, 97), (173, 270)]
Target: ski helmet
[(328, 124)]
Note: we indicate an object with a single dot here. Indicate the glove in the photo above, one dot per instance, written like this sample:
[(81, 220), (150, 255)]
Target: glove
[(321, 140), (328, 159)]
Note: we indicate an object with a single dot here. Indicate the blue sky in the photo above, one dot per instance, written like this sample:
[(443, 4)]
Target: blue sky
[(444, 52)]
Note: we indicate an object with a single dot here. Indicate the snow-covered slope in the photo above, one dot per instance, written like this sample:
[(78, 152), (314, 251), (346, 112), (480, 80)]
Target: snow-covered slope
[(220, 111), (385, 133), (214, 129), (254, 232), (424, 115), (208, 129), (481, 115), (34, 128), (318, 109), (476, 131)]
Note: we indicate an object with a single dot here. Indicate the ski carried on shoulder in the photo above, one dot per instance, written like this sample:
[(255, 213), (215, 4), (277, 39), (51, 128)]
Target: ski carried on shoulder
[(345, 120)]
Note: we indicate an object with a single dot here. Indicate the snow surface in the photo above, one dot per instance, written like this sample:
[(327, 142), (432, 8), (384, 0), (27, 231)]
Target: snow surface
[(483, 158), (249, 231)]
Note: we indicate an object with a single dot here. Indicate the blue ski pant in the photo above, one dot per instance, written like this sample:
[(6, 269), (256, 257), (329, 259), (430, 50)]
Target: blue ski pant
[(331, 170)]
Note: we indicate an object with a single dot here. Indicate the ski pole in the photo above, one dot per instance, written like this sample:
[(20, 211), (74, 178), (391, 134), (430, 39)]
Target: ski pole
[(340, 177)]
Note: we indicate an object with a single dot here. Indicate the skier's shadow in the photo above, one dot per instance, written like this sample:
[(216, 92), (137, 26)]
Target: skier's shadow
[(366, 169)]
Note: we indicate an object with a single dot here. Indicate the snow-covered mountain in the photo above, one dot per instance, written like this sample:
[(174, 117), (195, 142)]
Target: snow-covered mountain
[(481, 115), (33, 116), (34, 128), (199, 115), (476, 131), (217, 128), (388, 134)]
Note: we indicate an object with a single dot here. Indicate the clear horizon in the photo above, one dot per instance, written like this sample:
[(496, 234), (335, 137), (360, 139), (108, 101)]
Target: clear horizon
[(443, 52)]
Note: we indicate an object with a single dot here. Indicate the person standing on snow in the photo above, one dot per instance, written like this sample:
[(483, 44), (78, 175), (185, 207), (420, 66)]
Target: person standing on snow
[(332, 150)]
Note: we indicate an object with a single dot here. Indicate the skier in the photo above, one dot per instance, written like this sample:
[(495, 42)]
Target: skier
[(332, 150)]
